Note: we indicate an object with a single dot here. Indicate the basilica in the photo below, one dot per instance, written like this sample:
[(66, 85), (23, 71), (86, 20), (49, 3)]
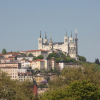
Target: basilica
[(69, 46)]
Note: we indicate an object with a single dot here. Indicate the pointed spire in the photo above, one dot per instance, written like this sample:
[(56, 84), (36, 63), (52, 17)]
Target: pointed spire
[(76, 33), (45, 36), (50, 39), (71, 33), (40, 34), (66, 32)]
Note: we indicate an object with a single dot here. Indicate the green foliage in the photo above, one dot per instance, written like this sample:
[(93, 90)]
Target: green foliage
[(38, 57), (61, 56), (97, 61), (72, 74), (13, 89), (42, 86), (77, 90), (30, 55), (24, 59), (55, 55), (58, 60), (4, 51), (82, 58)]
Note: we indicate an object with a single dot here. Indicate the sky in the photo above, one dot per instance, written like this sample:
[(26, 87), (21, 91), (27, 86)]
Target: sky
[(22, 20)]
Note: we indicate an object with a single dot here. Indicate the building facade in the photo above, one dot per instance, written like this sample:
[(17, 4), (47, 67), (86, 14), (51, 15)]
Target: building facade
[(69, 45), (11, 69), (36, 53)]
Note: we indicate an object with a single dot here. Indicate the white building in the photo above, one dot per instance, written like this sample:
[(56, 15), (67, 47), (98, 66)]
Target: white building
[(69, 46), (28, 58), (36, 53), (61, 65)]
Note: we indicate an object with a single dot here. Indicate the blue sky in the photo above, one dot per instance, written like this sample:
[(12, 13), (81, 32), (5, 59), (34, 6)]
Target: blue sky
[(22, 20)]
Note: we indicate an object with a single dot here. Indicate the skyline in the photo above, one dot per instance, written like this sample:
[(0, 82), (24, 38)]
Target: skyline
[(22, 21)]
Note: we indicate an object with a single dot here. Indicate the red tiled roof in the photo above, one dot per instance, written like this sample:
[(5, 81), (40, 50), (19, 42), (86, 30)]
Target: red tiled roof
[(35, 50), (25, 73), (57, 63), (8, 67), (10, 63), (12, 54), (30, 61)]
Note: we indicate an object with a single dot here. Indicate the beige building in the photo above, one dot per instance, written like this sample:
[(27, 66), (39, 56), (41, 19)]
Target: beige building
[(39, 78), (43, 64), (36, 53), (25, 76), (11, 69), (38, 64)]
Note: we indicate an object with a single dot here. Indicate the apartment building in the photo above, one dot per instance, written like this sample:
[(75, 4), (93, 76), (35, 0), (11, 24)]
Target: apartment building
[(11, 69), (25, 76)]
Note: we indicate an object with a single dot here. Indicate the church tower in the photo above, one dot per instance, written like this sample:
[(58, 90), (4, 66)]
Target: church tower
[(66, 43), (72, 47), (50, 45), (40, 41), (45, 40)]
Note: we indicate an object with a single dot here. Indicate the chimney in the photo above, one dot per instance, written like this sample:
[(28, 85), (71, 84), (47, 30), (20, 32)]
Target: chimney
[(35, 89)]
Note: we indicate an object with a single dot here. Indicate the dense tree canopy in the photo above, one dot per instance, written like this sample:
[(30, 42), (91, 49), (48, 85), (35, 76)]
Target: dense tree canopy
[(77, 90), (55, 55), (60, 56), (38, 57), (82, 58), (30, 55), (13, 89)]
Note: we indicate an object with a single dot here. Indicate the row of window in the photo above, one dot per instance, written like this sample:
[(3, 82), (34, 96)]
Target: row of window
[(72, 51), (25, 76), (13, 76), (23, 80)]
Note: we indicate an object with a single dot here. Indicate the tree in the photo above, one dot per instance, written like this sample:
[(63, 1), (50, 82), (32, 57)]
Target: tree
[(13, 89), (4, 51), (30, 55), (77, 90), (38, 57), (55, 55), (97, 61), (82, 58)]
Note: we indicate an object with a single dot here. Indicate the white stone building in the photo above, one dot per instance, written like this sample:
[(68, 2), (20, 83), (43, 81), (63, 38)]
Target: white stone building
[(69, 46)]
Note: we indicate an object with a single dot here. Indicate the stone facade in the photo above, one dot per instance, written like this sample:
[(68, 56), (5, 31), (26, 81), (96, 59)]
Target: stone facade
[(69, 45)]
